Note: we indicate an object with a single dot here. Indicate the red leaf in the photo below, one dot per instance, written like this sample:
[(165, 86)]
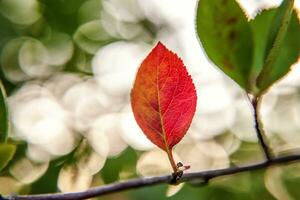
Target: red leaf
[(163, 99)]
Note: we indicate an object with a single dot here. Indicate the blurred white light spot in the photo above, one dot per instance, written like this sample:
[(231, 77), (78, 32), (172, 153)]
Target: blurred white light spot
[(243, 126), (63, 144), (9, 185), (274, 183), (290, 83), (28, 91), (99, 141), (202, 155), (168, 11), (20, 11), (208, 125), (59, 47), (85, 101), (91, 164), (268, 103), (110, 24), (71, 179), (131, 132), (284, 119), (154, 163), (40, 119), (173, 189), (91, 36), (123, 19), (131, 30), (26, 171), (37, 154), (10, 60), (229, 142), (213, 97), (33, 58), (115, 66), (34, 116), (60, 83), (124, 10), (110, 126)]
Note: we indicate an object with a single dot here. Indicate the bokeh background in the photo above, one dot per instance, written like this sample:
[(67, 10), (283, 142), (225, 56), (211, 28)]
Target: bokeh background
[(68, 67)]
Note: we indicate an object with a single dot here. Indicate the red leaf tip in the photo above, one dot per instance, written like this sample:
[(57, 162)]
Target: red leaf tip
[(160, 47), (159, 43)]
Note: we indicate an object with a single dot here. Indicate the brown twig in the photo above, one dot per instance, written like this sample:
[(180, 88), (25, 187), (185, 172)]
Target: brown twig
[(259, 128), (142, 182)]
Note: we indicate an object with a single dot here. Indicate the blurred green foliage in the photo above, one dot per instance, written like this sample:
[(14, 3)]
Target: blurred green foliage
[(4, 118), (7, 152)]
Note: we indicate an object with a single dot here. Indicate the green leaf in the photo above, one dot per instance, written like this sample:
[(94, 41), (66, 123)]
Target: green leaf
[(260, 26), (4, 125), (283, 46), (7, 152), (226, 37)]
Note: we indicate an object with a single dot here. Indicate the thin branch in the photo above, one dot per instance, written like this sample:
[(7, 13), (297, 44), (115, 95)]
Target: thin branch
[(143, 182), (259, 128)]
